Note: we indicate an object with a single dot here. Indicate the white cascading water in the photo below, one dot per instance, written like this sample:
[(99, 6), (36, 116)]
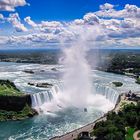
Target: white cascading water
[(110, 94), (45, 102), (41, 100), (77, 83)]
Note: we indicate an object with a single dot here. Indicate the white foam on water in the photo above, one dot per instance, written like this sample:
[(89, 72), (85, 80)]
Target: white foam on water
[(53, 100)]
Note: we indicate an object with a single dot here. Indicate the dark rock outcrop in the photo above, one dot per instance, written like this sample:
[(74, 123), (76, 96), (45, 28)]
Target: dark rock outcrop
[(14, 103), (44, 85), (41, 85), (29, 71), (54, 69)]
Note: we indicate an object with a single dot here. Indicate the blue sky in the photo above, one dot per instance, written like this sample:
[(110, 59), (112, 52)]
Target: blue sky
[(39, 22), (65, 9)]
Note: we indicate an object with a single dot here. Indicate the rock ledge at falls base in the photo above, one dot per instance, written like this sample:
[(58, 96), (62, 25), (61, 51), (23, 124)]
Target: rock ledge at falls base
[(14, 105)]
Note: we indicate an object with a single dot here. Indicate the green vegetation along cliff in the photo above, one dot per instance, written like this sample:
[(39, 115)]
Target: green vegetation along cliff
[(8, 88), (14, 105)]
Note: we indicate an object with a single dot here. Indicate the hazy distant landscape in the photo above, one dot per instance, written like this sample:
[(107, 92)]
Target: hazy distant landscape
[(111, 60)]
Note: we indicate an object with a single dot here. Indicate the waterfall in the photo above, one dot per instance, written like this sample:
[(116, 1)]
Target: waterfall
[(38, 99), (110, 93)]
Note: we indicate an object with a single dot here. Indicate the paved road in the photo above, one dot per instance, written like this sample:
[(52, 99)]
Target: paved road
[(73, 134)]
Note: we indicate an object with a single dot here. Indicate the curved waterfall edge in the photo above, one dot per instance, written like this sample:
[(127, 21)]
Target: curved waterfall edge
[(38, 99)]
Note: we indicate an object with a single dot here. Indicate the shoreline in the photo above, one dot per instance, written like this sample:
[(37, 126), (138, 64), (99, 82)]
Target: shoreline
[(88, 127), (14, 104)]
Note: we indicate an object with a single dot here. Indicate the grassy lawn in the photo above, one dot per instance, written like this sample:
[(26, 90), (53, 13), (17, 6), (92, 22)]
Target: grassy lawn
[(130, 132), (8, 88)]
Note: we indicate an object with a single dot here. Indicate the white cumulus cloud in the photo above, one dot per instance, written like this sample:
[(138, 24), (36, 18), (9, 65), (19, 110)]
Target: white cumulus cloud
[(91, 18), (14, 19), (129, 11), (115, 27), (30, 22), (106, 6), (10, 5)]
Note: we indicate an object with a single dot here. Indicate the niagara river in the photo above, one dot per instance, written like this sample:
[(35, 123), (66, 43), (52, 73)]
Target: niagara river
[(56, 116)]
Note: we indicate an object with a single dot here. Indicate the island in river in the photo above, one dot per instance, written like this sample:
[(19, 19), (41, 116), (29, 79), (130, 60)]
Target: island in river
[(14, 105)]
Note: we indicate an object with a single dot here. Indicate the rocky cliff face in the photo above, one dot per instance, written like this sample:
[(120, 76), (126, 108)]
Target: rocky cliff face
[(14, 103)]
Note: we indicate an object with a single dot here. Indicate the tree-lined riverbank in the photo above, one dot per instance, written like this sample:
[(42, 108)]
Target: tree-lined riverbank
[(91, 128)]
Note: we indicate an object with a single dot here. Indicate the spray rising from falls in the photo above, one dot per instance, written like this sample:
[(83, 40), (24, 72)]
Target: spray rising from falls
[(77, 82), (77, 75)]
